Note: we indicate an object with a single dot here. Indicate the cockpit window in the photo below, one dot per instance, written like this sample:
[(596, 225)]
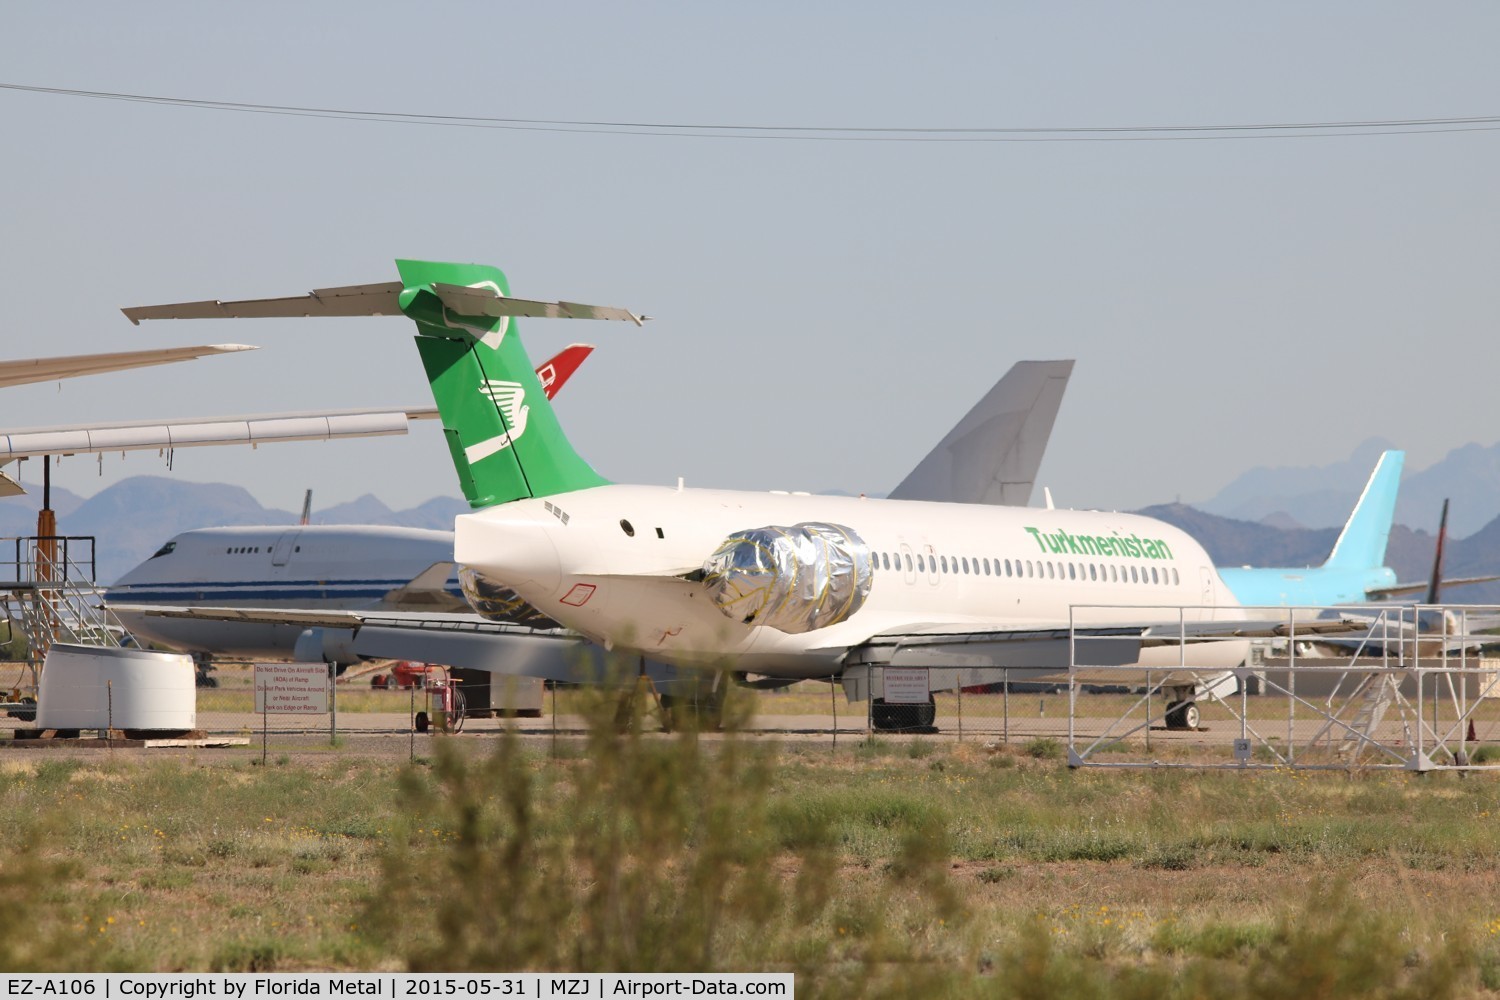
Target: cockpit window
[(165, 550)]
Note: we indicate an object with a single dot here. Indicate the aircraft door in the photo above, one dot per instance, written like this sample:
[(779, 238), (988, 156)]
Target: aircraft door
[(908, 564), (285, 545)]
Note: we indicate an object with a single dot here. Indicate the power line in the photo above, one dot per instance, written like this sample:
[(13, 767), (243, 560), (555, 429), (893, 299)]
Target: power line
[(822, 133)]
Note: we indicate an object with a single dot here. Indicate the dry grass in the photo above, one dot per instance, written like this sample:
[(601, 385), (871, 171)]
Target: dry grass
[(876, 869)]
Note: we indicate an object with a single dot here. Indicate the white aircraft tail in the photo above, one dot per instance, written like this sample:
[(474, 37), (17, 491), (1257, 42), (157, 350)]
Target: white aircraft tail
[(992, 455)]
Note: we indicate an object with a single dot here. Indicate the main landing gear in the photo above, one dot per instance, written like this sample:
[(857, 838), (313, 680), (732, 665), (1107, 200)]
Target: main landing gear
[(1182, 710), (893, 717), (696, 704)]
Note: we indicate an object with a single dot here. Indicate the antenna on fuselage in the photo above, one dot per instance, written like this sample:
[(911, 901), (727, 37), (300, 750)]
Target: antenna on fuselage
[(306, 508)]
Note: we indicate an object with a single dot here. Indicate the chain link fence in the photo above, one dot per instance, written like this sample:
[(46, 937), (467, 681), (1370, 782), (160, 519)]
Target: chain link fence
[(1410, 694)]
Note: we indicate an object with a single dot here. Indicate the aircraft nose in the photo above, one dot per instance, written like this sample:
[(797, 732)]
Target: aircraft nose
[(517, 554)]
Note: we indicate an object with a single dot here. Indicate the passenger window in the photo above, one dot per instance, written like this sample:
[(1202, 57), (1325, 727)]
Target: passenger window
[(966, 565), (1176, 581), (943, 562), (920, 567), (1153, 575), (908, 563), (627, 527), (1093, 572), (1072, 572), (1133, 577), (1051, 571), (885, 560), (986, 565)]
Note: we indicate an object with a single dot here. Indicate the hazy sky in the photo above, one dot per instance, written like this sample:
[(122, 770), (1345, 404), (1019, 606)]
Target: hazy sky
[(825, 310)]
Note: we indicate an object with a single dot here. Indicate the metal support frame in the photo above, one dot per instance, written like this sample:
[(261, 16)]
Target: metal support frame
[(1402, 698)]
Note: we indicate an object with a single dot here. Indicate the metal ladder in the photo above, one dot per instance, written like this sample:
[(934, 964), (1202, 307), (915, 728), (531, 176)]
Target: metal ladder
[(1376, 694), (55, 599)]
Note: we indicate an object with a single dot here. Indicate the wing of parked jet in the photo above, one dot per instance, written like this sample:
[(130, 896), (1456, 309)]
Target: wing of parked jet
[(461, 640), (196, 432), (992, 455), (427, 589), (309, 425), (23, 371), (944, 645)]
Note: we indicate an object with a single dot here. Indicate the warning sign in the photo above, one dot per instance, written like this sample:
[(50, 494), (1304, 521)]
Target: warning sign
[(906, 686), (291, 688)]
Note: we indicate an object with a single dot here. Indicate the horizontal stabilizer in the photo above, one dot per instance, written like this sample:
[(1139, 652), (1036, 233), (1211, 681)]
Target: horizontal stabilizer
[(382, 299), (351, 300), (483, 301), (311, 425)]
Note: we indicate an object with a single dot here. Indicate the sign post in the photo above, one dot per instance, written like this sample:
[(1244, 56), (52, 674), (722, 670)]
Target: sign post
[(289, 689)]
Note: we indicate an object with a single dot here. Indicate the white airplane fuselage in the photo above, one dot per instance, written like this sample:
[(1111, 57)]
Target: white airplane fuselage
[(314, 567), (610, 563)]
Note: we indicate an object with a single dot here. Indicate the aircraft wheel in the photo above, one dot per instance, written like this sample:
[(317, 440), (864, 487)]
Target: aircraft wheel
[(897, 718), (1183, 715), (702, 708), (423, 723)]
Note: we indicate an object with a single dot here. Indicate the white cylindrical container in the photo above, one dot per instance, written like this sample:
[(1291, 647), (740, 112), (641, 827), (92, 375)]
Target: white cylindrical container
[(94, 687)]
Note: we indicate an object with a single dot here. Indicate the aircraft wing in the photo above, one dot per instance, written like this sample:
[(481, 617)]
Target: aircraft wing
[(991, 456), (308, 425), (21, 372), (1055, 648), (466, 641), (381, 299), (426, 590), (1401, 589)]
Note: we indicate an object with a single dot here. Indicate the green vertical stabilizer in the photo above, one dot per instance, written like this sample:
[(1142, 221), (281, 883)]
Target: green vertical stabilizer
[(505, 440)]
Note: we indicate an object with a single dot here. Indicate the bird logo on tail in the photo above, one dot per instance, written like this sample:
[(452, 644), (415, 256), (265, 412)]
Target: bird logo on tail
[(510, 399)]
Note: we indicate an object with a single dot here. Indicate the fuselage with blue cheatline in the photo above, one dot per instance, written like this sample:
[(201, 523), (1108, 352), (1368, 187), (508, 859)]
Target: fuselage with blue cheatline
[(309, 567)]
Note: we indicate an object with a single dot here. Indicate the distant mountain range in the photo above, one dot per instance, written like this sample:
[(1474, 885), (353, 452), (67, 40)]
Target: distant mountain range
[(1248, 543), (1322, 496), (131, 519)]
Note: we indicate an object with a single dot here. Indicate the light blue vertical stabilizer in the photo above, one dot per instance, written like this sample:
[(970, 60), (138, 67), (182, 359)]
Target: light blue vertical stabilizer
[(1354, 572), (1361, 544)]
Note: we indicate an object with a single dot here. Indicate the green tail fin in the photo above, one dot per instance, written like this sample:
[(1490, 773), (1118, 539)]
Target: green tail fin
[(504, 438)]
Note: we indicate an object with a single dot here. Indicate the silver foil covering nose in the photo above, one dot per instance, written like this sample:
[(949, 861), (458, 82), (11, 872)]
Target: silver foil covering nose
[(794, 579)]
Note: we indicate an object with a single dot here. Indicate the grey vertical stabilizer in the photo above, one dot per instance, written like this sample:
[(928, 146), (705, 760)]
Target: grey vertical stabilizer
[(993, 453)]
